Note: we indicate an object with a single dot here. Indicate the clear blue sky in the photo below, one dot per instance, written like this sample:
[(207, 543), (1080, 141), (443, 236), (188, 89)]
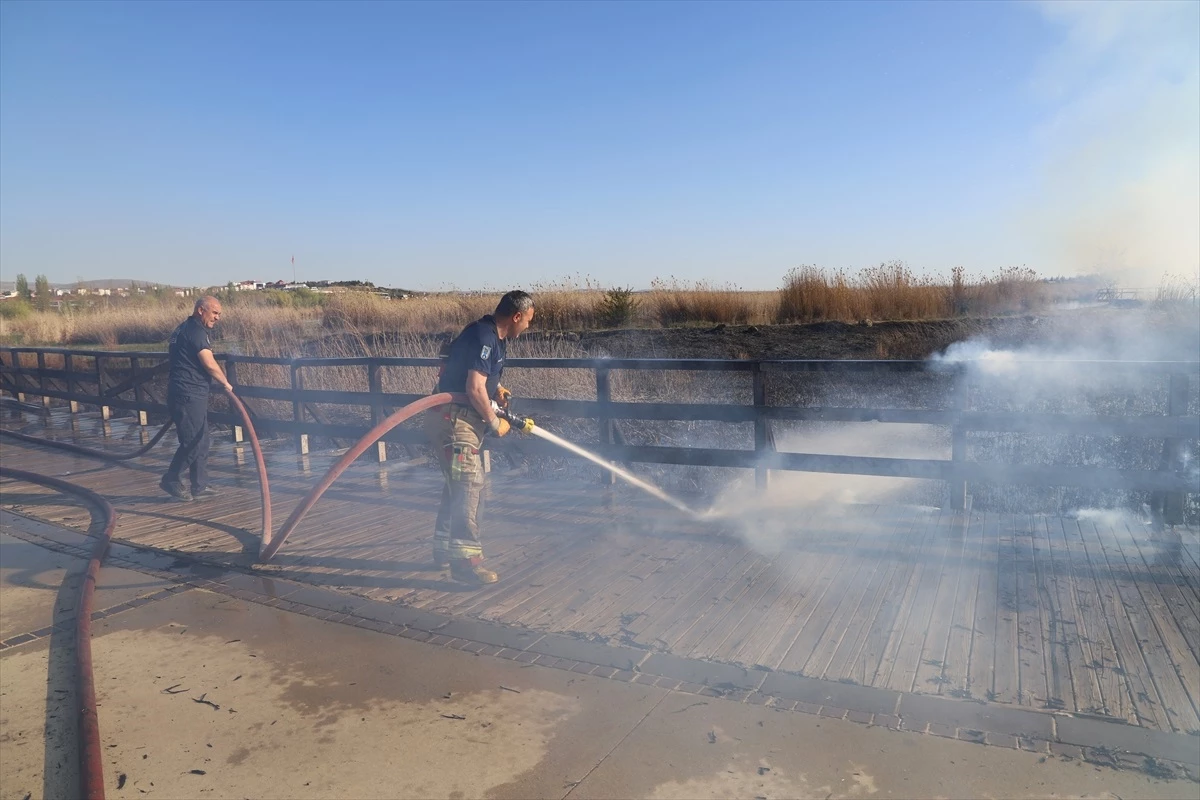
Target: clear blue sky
[(498, 144)]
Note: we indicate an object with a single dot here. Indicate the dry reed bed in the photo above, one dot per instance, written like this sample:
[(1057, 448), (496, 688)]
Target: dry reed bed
[(261, 323)]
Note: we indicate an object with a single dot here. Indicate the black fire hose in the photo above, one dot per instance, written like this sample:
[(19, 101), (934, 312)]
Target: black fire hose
[(87, 451)]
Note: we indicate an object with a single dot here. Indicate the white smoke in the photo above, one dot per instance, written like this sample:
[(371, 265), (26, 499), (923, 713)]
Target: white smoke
[(1122, 143), (796, 504)]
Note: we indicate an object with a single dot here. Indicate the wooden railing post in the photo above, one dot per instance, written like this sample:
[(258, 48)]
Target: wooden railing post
[(231, 375), (298, 410), (375, 387), (604, 397), (958, 441), (18, 376), (139, 394), (41, 362), (105, 411), (68, 367), (763, 443), (1174, 449)]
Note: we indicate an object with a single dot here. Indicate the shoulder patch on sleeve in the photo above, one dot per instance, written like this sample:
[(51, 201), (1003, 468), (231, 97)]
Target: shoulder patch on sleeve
[(485, 352)]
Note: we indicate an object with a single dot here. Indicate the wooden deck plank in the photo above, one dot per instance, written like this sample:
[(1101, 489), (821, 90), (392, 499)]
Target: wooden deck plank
[(726, 639), (762, 643), (605, 613), (616, 554), (887, 631), (703, 638), (878, 548), (730, 599), (1147, 707), (1175, 672), (544, 577), (907, 659), (683, 565), (1032, 629), (957, 661), (1164, 565), (1072, 632), (853, 661), (587, 578), (755, 640), (710, 598), (1096, 630), (1006, 675), (930, 675), (809, 610), (1189, 550), (651, 629), (1063, 649)]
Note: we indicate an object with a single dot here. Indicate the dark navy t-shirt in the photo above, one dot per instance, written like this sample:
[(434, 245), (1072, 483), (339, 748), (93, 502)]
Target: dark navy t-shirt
[(477, 348), (187, 373)]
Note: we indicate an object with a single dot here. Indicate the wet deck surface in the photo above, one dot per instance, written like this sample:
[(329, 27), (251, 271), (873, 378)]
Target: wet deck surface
[(1093, 615)]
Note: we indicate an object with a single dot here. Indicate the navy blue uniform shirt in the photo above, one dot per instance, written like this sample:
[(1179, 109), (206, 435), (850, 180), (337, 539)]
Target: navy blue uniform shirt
[(188, 375), (477, 348)]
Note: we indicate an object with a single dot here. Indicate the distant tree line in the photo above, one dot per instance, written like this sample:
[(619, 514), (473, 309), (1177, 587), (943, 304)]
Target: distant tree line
[(39, 296)]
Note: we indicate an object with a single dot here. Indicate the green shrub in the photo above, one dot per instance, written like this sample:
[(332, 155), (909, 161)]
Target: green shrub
[(15, 308), (617, 307), (293, 298)]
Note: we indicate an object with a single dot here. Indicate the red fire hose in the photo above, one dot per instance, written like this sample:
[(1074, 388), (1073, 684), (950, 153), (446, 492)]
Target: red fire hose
[(271, 544), (91, 774), (92, 770)]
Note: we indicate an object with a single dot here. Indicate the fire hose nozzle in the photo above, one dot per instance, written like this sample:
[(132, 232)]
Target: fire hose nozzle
[(519, 424)]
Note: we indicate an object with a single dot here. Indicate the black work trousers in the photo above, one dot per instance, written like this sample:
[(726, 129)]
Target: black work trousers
[(189, 412)]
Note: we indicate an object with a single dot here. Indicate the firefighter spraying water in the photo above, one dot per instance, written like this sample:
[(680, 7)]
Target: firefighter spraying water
[(473, 367)]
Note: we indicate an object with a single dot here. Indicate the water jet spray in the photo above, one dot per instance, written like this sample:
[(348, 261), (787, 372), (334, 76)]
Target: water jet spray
[(527, 426)]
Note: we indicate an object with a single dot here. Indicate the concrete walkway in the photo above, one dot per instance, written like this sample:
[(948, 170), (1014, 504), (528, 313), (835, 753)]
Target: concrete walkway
[(204, 693)]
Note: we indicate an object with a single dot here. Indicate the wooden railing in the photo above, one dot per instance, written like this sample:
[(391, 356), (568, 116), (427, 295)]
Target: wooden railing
[(123, 380)]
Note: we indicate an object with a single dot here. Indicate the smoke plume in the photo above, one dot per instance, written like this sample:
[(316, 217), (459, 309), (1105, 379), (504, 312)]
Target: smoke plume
[(1122, 142)]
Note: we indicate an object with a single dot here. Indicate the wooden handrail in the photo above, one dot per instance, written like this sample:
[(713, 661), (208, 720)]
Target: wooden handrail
[(1174, 428)]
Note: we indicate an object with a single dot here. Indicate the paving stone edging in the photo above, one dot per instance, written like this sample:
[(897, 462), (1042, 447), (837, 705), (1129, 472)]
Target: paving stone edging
[(1059, 734)]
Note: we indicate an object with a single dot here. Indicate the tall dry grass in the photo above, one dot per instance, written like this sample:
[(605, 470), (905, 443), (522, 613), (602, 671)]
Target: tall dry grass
[(368, 312), (673, 302), (263, 323), (1177, 291), (893, 291)]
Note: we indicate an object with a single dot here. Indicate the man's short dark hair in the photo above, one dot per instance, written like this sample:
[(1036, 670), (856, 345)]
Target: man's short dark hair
[(514, 302)]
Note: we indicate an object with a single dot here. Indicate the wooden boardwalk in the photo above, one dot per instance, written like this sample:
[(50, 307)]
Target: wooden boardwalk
[(1092, 614)]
